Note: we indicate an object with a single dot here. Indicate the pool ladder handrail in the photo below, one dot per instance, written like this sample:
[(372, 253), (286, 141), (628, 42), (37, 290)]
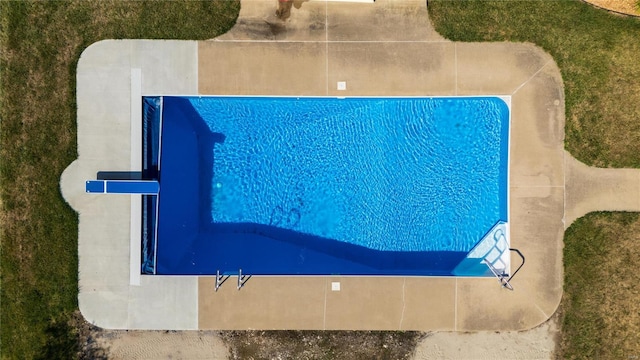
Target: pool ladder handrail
[(220, 279), (242, 279), (504, 278)]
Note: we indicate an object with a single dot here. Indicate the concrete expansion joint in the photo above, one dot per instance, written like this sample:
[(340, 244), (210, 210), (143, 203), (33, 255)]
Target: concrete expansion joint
[(404, 303), (532, 76), (546, 316)]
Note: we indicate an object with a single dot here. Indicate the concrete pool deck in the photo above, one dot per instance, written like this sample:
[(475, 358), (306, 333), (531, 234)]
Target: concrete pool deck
[(384, 48)]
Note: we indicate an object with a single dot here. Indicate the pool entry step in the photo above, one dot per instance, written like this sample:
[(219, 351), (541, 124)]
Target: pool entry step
[(489, 256), (144, 187)]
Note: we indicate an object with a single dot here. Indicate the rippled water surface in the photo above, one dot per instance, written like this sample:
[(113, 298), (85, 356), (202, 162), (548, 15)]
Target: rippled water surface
[(393, 174)]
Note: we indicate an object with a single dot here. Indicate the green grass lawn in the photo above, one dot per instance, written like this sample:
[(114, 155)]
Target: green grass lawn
[(601, 313), (41, 44), (599, 57)]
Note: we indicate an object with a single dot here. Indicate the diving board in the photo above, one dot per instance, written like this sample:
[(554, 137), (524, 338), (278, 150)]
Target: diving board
[(144, 187)]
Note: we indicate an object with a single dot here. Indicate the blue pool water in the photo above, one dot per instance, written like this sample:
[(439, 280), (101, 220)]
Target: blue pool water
[(379, 186)]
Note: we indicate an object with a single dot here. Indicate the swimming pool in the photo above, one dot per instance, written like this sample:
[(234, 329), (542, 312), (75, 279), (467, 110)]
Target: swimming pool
[(315, 186)]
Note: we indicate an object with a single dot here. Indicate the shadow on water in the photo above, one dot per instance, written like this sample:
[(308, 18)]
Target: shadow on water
[(250, 245), (190, 242), (119, 175), (206, 141)]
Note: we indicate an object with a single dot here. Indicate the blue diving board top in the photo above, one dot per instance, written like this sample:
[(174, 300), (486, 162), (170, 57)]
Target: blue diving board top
[(144, 187)]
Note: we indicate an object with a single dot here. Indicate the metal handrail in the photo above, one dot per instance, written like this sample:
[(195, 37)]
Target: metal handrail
[(519, 267), (506, 283)]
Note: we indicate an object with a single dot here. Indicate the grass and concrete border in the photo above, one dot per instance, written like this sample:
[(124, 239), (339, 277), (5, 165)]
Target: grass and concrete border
[(366, 57)]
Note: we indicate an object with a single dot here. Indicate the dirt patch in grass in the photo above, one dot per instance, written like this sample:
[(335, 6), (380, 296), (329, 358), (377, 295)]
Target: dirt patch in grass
[(345, 345), (630, 7), (153, 344), (255, 345)]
